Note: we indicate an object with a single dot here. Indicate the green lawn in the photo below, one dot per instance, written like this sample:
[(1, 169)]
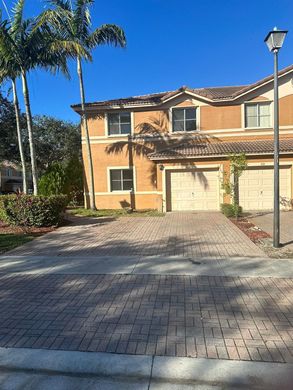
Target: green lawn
[(10, 241), (115, 213)]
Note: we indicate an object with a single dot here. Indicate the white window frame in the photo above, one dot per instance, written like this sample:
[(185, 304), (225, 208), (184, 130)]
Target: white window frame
[(109, 169), (119, 135), (197, 119), (268, 102)]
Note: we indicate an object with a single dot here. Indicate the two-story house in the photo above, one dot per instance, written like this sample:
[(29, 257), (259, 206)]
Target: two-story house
[(170, 150), (10, 177)]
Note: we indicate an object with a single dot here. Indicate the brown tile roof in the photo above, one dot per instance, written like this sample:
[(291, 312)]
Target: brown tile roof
[(215, 94), (206, 149)]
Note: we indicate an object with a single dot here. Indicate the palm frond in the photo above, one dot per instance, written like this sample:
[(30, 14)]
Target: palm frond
[(69, 49), (55, 18), (9, 59), (64, 4), (107, 34), (82, 18), (17, 16)]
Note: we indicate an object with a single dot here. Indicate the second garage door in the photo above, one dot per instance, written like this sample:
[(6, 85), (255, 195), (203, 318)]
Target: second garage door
[(256, 187), (194, 190)]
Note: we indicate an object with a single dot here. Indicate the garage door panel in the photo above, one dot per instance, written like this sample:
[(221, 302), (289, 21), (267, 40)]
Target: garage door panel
[(194, 190), (256, 187)]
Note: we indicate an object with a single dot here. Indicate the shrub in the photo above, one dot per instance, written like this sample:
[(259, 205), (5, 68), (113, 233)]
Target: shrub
[(53, 181), (64, 178), (231, 210), (27, 210)]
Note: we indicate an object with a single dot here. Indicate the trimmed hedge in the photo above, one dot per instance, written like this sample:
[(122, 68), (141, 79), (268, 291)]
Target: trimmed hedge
[(231, 210), (29, 210)]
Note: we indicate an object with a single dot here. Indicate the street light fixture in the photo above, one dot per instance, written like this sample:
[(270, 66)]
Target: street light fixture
[(274, 41)]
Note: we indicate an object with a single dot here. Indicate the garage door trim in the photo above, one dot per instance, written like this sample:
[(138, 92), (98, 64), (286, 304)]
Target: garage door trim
[(269, 166), (167, 169)]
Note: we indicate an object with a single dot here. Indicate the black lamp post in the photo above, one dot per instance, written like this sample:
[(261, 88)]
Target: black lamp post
[(274, 41)]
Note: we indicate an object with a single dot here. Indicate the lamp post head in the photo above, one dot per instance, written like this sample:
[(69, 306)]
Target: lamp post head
[(275, 39)]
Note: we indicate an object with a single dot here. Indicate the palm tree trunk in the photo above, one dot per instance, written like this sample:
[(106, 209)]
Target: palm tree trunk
[(30, 131), (87, 138), (20, 146)]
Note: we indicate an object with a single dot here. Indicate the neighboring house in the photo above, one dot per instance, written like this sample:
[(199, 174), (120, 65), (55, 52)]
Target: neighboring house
[(170, 150), (10, 177)]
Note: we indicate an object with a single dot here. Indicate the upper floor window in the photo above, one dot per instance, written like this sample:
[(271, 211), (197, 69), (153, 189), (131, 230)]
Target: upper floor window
[(257, 115), (7, 172), (121, 179), (119, 123), (184, 119)]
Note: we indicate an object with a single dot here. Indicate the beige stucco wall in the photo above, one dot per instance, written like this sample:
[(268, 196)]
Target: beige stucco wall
[(218, 122)]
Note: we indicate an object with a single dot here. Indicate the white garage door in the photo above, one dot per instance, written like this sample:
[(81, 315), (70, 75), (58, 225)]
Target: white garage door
[(256, 188), (195, 190)]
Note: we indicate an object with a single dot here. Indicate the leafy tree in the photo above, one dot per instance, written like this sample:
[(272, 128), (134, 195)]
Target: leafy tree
[(53, 181), (74, 23), (74, 181), (64, 179), (55, 140), (8, 135)]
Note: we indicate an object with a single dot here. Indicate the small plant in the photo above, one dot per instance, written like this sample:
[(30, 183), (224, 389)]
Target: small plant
[(231, 210), (28, 211), (231, 183)]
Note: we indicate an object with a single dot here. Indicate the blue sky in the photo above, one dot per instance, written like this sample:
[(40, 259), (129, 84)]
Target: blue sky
[(171, 43)]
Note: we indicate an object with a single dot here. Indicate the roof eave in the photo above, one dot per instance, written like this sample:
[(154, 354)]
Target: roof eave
[(181, 157), (95, 108)]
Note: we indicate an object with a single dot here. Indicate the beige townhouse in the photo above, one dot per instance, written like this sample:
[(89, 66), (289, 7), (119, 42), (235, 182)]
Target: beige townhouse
[(170, 150)]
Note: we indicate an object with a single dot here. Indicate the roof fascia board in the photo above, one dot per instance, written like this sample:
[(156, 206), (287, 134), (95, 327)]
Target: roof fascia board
[(210, 156), (115, 107), (258, 86)]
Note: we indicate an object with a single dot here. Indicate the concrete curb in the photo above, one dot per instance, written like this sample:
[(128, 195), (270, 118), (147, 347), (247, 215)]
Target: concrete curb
[(75, 363), (173, 265), (241, 374), (165, 371)]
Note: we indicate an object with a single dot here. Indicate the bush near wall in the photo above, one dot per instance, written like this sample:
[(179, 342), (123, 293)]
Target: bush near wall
[(231, 210), (32, 211)]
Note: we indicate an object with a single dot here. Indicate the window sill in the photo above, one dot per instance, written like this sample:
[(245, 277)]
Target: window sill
[(259, 128), (119, 191), (118, 135), (185, 132)]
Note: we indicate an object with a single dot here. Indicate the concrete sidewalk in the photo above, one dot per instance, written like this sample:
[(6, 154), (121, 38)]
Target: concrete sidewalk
[(172, 265), (41, 369)]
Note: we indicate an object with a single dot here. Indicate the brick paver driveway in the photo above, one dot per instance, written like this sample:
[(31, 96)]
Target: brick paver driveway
[(214, 317), (191, 234)]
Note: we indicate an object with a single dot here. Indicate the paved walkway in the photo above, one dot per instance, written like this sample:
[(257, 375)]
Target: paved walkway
[(265, 222), (207, 317), (192, 234)]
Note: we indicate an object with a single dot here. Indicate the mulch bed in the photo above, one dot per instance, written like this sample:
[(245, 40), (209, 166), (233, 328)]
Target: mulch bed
[(252, 231), (36, 232)]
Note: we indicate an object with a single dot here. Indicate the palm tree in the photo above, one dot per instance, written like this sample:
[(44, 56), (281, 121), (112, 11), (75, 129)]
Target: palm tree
[(14, 52), (7, 72), (19, 136), (74, 23), (25, 46)]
